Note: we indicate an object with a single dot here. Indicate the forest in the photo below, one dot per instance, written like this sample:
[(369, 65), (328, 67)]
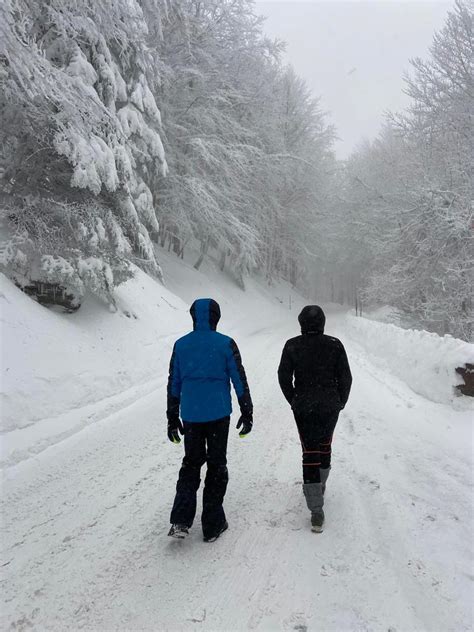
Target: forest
[(141, 124)]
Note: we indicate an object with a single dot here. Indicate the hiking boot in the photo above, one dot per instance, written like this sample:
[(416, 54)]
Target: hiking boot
[(317, 521), (313, 493), (178, 531), (214, 536)]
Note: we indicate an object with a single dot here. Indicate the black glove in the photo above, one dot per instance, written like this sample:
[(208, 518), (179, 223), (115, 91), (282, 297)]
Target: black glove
[(246, 423), (174, 428)]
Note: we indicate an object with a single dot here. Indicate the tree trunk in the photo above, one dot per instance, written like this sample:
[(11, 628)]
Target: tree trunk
[(223, 259), (203, 253), (163, 237)]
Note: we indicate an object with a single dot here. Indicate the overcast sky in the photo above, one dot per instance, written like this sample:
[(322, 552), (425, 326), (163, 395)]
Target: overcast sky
[(353, 54)]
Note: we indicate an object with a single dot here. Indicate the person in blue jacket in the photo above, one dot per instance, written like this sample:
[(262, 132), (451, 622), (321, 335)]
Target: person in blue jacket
[(203, 364)]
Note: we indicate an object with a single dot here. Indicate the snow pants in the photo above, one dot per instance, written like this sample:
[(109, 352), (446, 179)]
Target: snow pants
[(316, 430), (203, 442)]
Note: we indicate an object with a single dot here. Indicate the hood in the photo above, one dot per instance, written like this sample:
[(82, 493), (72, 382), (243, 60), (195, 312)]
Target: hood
[(206, 314), (312, 320)]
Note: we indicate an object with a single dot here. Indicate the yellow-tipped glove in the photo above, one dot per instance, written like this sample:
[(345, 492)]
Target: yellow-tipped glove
[(246, 423), (175, 428)]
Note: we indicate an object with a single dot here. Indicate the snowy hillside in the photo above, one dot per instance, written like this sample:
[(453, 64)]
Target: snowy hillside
[(89, 477)]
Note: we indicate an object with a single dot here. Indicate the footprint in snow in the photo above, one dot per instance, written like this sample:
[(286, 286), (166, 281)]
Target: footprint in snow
[(296, 622)]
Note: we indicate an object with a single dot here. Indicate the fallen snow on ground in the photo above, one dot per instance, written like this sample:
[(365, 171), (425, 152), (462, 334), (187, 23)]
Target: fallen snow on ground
[(90, 476), (424, 360)]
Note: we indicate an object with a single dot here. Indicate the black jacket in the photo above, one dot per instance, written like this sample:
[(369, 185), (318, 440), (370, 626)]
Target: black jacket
[(314, 370)]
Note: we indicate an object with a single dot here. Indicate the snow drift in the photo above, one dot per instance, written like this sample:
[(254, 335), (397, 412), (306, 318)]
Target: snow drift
[(423, 360)]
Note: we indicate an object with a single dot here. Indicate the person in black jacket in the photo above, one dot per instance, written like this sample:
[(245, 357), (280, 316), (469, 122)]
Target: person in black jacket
[(315, 378)]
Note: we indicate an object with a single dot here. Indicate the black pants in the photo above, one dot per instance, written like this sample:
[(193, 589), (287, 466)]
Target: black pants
[(316, 430), (203, 442)]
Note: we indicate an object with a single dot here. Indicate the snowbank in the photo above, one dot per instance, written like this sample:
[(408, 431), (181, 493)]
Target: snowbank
[(423, 360), (55, 362)]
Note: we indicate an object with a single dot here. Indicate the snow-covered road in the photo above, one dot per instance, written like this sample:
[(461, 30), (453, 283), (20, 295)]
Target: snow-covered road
[(85, 521)]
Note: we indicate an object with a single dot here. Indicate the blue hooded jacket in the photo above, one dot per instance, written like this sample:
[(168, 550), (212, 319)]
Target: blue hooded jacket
[(203, 364)]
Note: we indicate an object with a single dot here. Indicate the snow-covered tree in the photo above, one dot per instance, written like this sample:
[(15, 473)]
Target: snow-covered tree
[(406, 204), (237, 156), (85, 86), (80, 138)]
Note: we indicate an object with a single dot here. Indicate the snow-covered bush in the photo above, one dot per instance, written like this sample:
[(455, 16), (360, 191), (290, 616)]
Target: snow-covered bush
[(80, 247)]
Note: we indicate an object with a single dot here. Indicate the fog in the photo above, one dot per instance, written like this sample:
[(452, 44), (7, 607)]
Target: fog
[(353, 55)]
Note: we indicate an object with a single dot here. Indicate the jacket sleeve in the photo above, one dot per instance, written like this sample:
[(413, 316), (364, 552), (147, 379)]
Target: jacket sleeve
[(174, 387), (239, 380), (343, 376), (285, 374)]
